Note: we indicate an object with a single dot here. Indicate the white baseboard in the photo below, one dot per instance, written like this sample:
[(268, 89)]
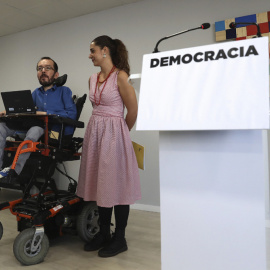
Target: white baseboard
[(152, 208), (146, 207)]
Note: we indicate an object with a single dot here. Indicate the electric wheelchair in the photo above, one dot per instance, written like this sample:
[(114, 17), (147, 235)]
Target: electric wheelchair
[(50, 211)]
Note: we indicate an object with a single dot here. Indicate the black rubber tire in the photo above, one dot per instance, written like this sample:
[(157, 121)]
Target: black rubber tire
[(88, 221), (1, 230), (21, 248)]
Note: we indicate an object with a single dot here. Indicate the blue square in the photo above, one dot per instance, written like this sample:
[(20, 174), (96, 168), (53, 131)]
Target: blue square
[(220, 26), (250, 19)]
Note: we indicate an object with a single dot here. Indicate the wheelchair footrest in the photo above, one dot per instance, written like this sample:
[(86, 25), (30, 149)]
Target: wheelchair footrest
[(16, 186)]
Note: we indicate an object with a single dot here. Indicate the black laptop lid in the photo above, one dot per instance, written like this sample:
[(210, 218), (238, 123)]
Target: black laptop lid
[(18, 102)]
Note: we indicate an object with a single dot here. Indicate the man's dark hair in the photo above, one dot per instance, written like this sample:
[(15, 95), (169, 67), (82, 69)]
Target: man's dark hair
[(55, 66)]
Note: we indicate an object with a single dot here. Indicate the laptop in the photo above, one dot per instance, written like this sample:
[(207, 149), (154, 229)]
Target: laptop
[(18, 102)]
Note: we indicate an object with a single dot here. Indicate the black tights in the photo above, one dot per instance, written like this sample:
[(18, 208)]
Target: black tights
[(121, 213)]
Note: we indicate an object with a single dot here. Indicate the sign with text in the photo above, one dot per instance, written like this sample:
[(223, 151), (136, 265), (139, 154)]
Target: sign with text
[(214, 87)]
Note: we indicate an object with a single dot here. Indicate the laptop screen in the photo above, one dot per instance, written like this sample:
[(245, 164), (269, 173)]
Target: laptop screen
[(18, 102)]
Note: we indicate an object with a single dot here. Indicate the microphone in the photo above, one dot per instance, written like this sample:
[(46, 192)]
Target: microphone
[(232, 25), (203, 26)]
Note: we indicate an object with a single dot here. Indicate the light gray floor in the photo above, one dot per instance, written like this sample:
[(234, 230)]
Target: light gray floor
[(66, 252)]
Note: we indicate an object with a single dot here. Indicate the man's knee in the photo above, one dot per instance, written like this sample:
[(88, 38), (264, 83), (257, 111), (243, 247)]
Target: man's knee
[(3, 131), (2, 128), (34, 133)]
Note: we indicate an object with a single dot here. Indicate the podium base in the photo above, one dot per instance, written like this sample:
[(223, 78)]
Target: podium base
[(212, 200)]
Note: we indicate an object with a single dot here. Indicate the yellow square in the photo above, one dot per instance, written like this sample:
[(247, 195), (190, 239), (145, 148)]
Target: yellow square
[(262, 17), (241, 32), (227, 23), (221, 35)]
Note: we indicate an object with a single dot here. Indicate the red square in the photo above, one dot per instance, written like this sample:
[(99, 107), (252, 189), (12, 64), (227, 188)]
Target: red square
[(268, 15), (251, 30), (264, 27), (241, 38)]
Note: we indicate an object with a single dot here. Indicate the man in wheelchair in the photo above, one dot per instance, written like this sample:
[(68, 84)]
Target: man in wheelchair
[(49, 99), (44, 211)]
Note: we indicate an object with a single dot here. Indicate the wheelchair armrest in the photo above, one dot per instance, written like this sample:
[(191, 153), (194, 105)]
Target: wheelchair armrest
[(67, 121)]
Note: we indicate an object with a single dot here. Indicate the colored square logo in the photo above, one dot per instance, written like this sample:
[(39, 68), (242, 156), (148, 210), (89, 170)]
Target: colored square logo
[(220, 26), (230, 33), (249, 19), (262, 17), (241, 38), (245, 27), (227, 23), (251, 30), (241, 32), (220, 35), (264, 27)]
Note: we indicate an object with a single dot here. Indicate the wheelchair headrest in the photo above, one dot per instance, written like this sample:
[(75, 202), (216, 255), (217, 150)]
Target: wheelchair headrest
[(60, 80)]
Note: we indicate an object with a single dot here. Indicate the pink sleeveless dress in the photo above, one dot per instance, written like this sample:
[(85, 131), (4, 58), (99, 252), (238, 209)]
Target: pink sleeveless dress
[(109, 171)]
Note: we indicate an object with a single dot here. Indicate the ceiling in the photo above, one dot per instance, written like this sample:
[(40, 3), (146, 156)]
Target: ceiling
[(21, 15)]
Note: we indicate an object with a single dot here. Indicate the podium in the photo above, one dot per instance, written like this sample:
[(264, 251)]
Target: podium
[(213, 161)]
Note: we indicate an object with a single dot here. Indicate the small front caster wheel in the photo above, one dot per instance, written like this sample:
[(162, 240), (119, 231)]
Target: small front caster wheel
[(1, 230), (23, 251)]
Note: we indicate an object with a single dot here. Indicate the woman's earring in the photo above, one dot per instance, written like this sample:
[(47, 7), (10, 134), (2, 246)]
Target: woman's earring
[(104, 55)]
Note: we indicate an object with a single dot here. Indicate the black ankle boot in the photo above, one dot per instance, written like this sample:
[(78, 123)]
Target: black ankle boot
[(102, 238), (117, 245)]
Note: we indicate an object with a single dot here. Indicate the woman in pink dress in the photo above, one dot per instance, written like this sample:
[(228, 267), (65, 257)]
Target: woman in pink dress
[(109, 171)]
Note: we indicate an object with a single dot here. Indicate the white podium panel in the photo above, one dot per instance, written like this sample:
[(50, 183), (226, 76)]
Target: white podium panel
[(209, 104), (212, 200), (215, 87)]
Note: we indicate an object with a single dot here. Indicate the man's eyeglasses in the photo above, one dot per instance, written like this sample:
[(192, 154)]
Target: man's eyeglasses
[(47, 68)]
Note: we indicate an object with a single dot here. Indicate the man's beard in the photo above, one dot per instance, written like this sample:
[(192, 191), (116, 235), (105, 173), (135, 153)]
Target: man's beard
[(46, 83)]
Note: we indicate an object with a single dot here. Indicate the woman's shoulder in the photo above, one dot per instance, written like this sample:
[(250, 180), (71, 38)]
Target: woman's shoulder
[(92, 79), (93, 75), (122, 75)]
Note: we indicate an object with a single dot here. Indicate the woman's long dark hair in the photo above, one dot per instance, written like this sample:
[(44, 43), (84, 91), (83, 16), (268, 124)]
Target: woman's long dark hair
[(118, 51)]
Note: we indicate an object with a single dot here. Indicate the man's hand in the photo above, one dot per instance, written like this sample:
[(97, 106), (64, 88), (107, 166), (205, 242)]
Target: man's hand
[(41, 113), (2, 113)]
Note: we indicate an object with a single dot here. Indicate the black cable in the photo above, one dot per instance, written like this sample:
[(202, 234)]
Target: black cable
[(65, 174)]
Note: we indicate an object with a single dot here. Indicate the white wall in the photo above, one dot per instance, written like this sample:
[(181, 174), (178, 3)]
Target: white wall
[(140, 26)]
